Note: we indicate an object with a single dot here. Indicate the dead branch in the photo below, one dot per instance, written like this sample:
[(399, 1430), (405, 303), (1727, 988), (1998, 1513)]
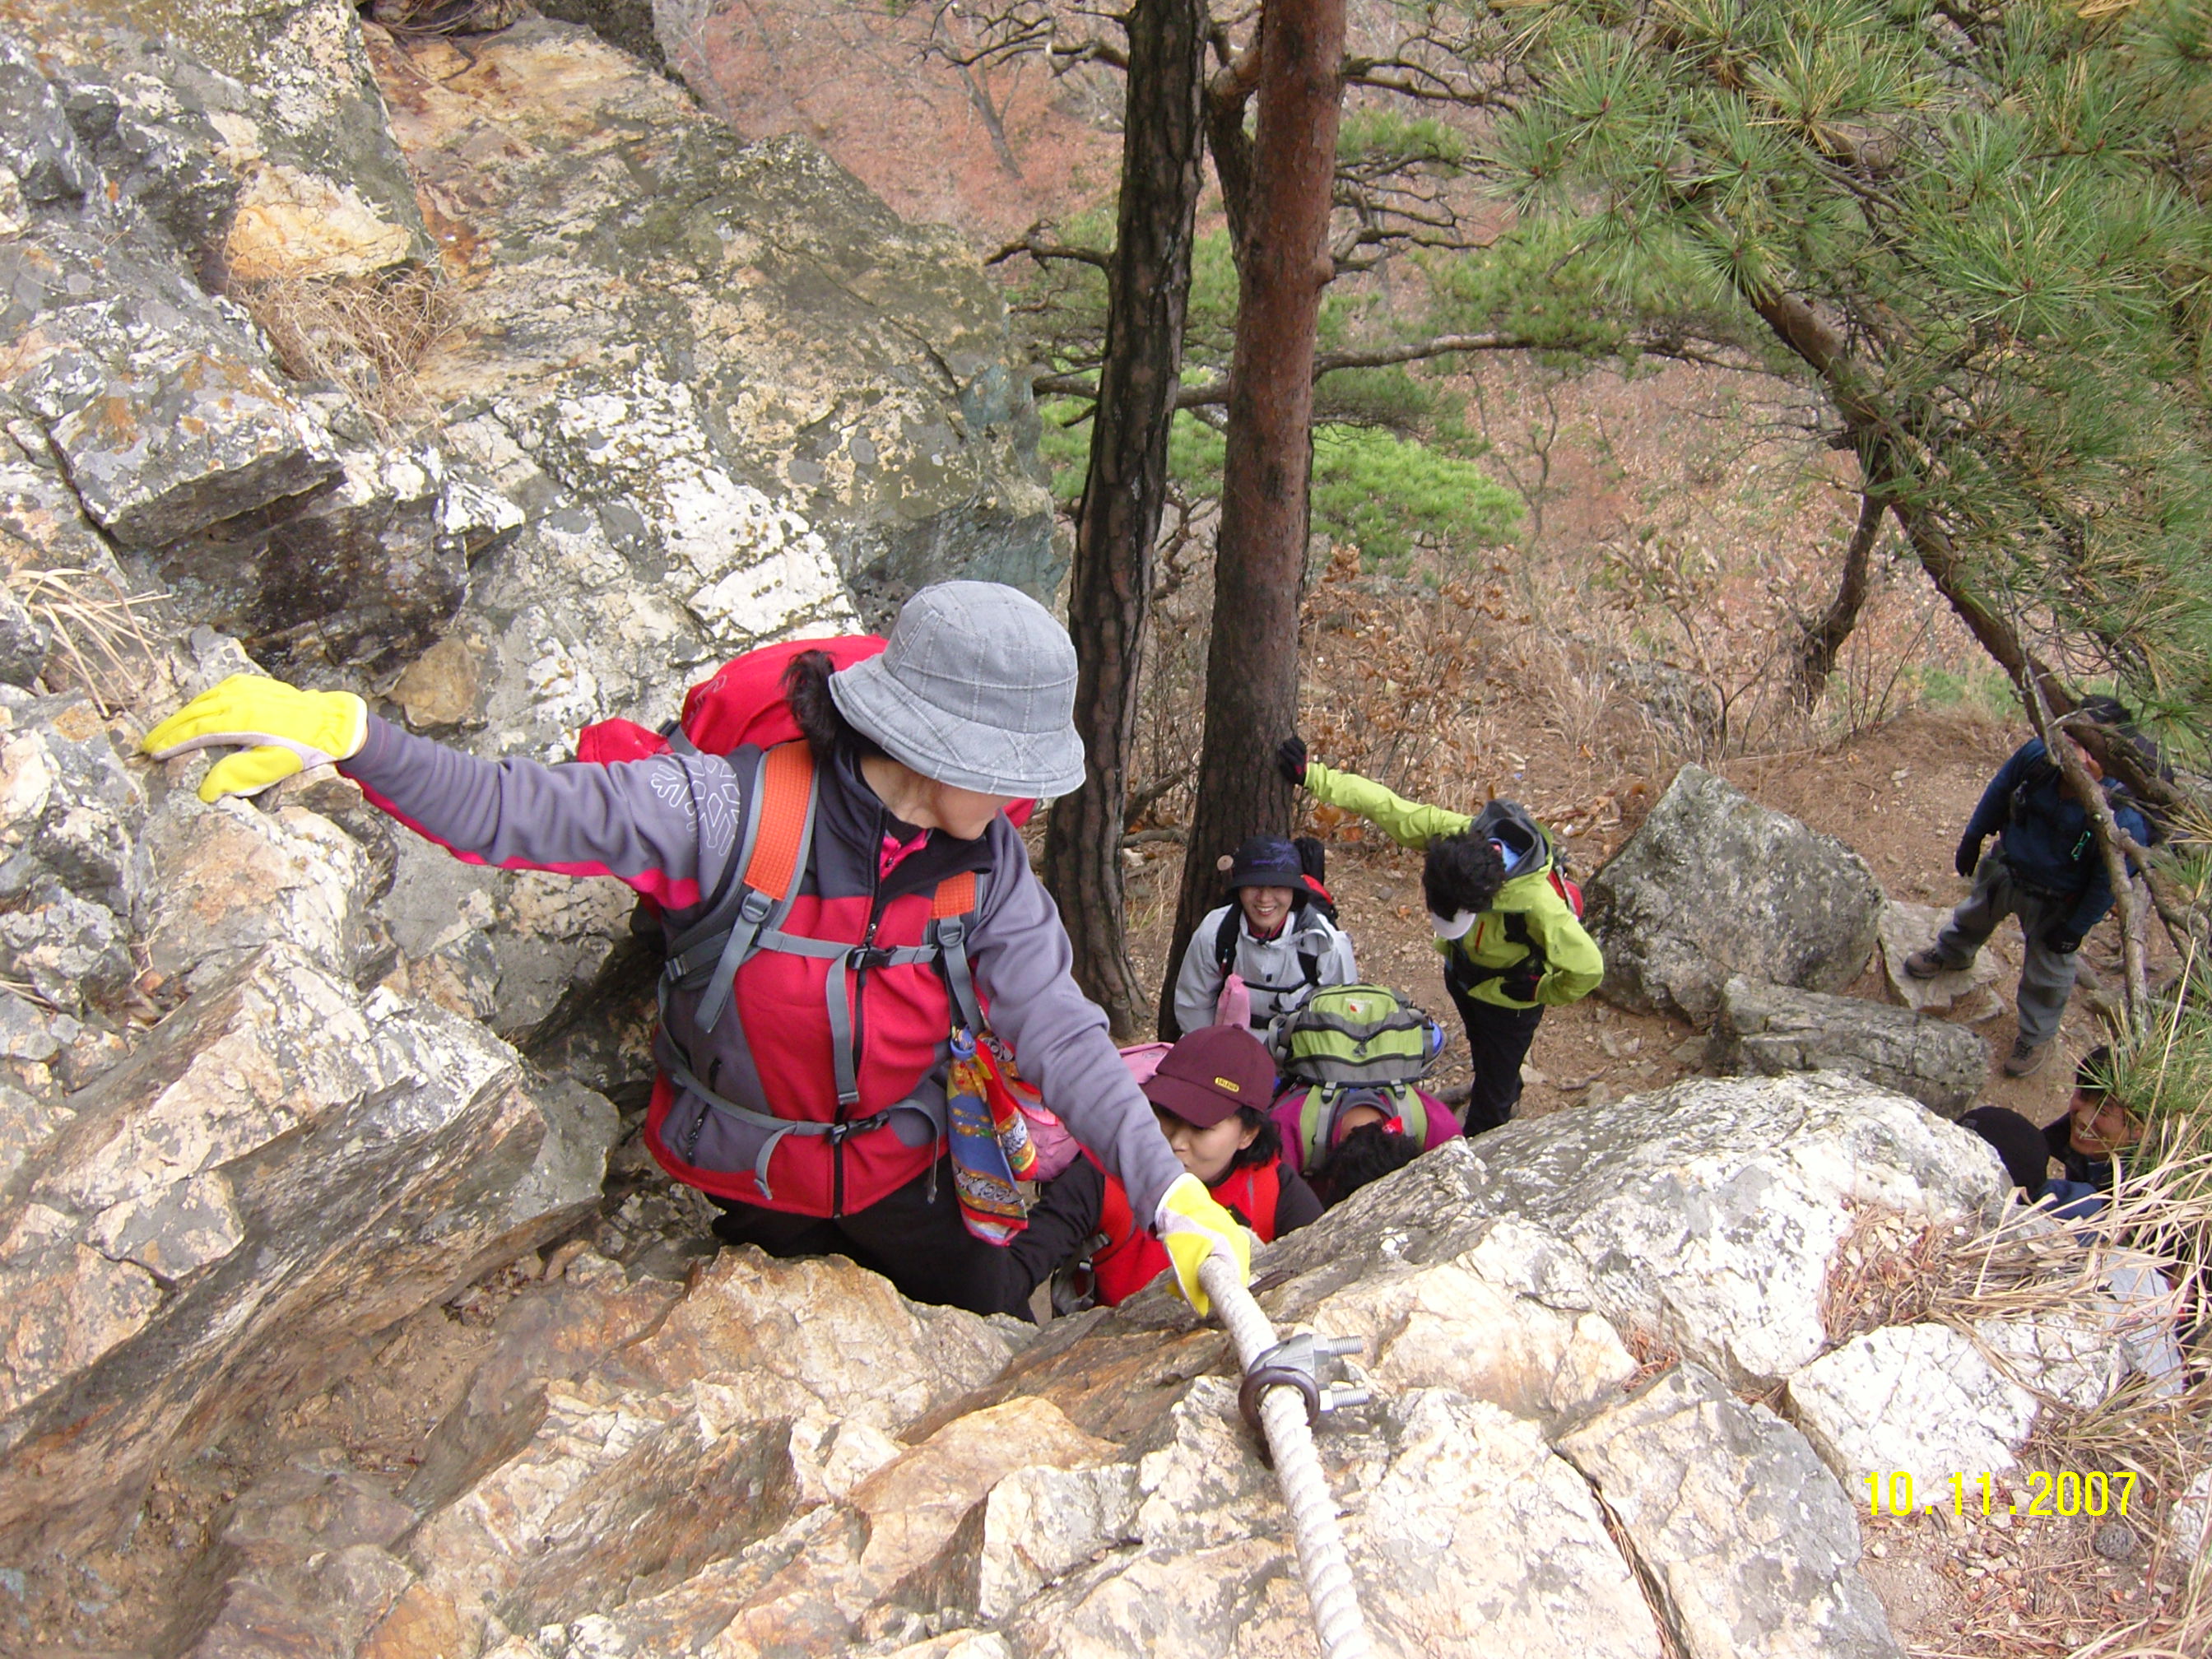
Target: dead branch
[(1034, 242)]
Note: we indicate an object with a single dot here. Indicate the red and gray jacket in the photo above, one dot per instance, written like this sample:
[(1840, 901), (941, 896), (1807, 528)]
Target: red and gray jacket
[(671, 826)]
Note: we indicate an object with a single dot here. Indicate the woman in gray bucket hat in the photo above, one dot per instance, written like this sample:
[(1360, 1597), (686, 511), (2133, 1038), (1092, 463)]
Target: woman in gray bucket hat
[(841, 912)]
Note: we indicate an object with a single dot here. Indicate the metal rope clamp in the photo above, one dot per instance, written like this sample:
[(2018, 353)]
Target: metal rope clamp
[(1312, 1365)]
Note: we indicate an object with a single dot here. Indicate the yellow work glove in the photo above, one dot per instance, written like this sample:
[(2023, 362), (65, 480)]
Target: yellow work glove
[(1193, 1227), (280, 728)]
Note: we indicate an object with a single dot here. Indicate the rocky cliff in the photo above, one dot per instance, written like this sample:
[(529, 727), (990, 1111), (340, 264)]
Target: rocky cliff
[(500, 382), (489, 377)]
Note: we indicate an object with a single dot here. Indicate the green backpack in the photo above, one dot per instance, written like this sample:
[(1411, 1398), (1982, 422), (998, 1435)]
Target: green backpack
[(1326, 1102), (1359, 1033)]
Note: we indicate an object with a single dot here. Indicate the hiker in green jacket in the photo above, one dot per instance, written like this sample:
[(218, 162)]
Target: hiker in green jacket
[(1509, 926)]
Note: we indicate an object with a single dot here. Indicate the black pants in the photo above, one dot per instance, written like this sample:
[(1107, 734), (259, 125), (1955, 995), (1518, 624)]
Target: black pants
[(1497, 1041), (917, 1240)]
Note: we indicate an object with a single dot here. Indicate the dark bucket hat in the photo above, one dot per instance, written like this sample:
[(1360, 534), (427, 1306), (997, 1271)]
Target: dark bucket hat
[(1266, 861), (975, 688)]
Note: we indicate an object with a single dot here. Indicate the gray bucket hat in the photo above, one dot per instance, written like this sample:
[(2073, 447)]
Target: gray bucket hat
[(975, 688)]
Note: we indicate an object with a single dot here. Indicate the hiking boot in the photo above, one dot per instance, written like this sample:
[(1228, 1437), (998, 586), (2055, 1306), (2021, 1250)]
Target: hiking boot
[(1926, 964), (2027, 1058)]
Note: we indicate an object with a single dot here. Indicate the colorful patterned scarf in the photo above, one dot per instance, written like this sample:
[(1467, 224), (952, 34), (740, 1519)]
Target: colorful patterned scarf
[(991, 1147)]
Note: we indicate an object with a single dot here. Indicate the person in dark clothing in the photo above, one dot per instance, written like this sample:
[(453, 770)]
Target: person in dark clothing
[(2026, 1152), (2096, 1125), (2046, 869)]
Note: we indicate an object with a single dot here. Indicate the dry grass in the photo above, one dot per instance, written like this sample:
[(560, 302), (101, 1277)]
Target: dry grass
[(2026, 1269), (368, 335), (99, 641), (1885, 1272)]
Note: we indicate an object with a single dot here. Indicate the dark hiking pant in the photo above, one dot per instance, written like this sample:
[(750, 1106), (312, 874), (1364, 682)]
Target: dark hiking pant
[(2046, 978), (1497, 1041), (915, 1237)]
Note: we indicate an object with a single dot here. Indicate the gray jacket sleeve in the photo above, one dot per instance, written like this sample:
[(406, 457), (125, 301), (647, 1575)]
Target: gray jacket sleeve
[(1024, 968), (666, 825), (1197, 981)]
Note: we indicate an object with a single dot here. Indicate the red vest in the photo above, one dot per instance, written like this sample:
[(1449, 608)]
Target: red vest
[(1131, 1258), (905, 1014)]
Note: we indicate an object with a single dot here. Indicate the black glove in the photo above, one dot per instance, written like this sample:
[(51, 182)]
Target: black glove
[(1290, 759), (1968, 856), (2061, 941), (1520, 981)]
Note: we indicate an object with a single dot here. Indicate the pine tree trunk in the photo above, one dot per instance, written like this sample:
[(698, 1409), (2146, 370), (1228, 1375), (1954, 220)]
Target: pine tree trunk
[(1148, 285), (1252, 660), (1825, 639)]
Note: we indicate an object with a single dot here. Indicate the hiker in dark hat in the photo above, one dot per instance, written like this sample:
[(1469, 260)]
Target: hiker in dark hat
[(1273, 936), (1211, 1094), (2098, 1127), (2046, 868), (828, 975)]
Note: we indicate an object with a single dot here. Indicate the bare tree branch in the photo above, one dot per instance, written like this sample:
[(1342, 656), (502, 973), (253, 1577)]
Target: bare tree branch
[(1214, 394), (1034, 242)]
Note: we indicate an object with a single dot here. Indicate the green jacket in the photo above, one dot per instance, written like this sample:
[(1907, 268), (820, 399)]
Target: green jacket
[(1573, 963)]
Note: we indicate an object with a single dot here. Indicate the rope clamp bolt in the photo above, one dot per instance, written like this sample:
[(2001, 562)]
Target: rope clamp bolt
[(1309, 1364)]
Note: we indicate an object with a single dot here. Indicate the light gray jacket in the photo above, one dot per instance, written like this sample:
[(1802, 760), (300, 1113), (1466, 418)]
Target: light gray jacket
[(1281, 972)]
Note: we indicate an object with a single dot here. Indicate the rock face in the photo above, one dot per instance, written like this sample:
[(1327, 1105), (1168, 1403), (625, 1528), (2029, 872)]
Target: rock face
[(668, 396), (1711, 885), (1779, 1575), (282, 1171), (252, 128), (1772, 1030), (898, 1479), (146, 405), (732, 391), (166, 412), (1919, 1398), (736, 397), (69, 816), (1703, 1215)]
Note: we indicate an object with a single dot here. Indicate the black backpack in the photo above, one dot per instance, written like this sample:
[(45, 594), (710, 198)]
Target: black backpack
[(1225, 946)]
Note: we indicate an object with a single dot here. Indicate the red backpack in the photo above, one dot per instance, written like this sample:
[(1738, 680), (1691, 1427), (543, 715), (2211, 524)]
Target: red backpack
[(742, 702)]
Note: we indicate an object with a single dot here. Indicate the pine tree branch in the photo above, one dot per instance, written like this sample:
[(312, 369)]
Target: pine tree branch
[(1034, 243), (1214, 394)]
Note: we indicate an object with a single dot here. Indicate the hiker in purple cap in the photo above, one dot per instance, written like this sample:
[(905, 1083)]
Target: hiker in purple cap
[(854, 932), (1273, 936), (1211, 1091)]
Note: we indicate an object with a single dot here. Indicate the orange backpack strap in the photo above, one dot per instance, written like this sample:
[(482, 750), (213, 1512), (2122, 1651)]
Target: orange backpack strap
[(782, 821), (778, 827), (954, 897), (951, 913)]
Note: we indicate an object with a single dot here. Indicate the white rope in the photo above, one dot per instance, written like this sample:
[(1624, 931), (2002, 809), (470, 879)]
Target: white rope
[(1321, 1559)]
